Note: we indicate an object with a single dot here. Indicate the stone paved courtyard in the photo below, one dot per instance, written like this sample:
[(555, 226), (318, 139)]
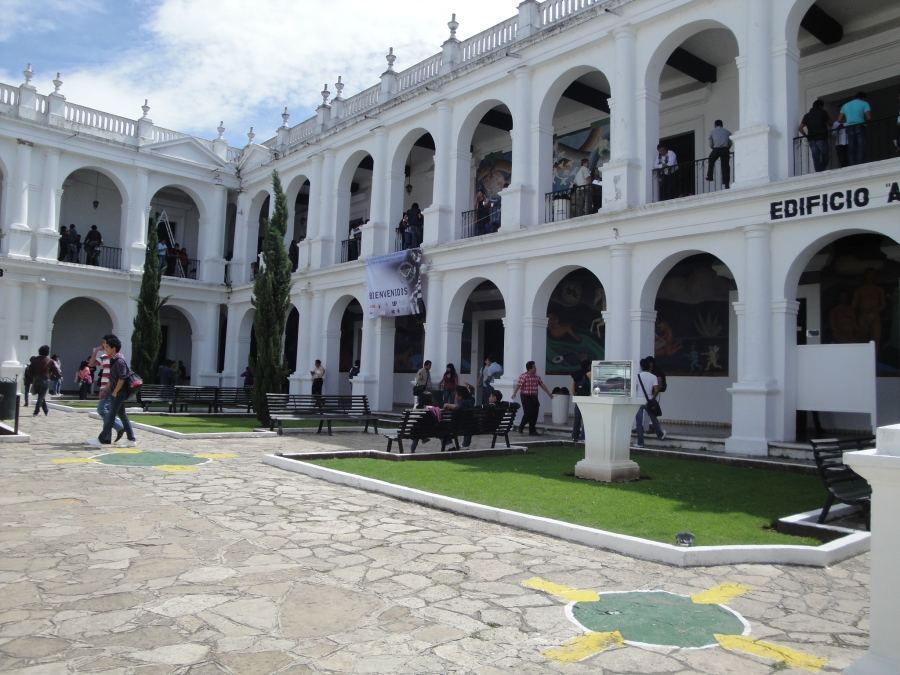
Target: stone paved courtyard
[(237, 567)]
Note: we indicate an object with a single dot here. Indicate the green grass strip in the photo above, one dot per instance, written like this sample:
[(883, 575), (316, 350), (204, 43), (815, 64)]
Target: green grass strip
[(211, 425), (720, 504)]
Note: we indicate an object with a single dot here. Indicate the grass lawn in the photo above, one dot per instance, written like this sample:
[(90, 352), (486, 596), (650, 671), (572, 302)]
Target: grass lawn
[(719, 504), (75, 404), (209, 425)]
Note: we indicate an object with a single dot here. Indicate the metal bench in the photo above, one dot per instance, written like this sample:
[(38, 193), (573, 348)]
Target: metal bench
[(843, 483), (324, 408), (233, 397), (155, 394), (198, 397), (420, 425), (483, 422)]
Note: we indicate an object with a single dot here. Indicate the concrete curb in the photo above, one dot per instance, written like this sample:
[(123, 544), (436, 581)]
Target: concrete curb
[(15, 438), (635, 547), (179, 435)]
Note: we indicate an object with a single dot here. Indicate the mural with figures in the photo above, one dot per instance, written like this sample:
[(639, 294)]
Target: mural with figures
[(575, 328), (409, 343), (691, 337), (493, 173), (569, 149)]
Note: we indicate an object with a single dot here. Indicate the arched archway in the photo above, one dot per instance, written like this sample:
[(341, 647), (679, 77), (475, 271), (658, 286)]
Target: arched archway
[(78, 327), (414, 160), (354, 203), (476, 328), (92, 201), (297, 196), (246, 341), (343, 343), (178, 213), (177, 345)]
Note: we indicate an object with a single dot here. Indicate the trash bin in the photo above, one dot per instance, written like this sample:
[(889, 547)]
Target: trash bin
[(561, 408), (8, 390)]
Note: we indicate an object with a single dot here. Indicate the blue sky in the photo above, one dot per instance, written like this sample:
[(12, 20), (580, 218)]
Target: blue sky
[(202, 61)]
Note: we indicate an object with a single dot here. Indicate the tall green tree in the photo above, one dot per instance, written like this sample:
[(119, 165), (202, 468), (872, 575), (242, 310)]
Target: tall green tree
[(271, 298), (147, 336)]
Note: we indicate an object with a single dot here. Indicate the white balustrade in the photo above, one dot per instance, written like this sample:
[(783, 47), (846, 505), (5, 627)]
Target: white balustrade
[(491, 40), (362, 101), (76, 114), (552, 11), (271, 143), (302, 130), (9, 95), (421, 72), (233, 154), (160, 135), (42, 105)]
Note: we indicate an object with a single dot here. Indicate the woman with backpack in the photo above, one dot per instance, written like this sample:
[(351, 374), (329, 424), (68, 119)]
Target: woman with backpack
[(41, 368), (84, 379)]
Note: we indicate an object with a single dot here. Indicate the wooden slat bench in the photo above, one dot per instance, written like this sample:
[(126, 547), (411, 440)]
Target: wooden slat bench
[(233, 397), (323, 408), (483, 422), (155, 394), (196, 397), (420, 425), (843, 483)]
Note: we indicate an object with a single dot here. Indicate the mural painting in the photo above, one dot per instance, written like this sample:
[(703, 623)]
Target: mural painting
[(569, 149), (575, 328), (493, 173), (692, 305), (860, 297), (409, 343)]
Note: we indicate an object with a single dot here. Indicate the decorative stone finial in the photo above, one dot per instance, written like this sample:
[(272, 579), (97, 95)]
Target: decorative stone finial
[(146, 107), (28, 73), (453, 24), (390, 58), (251, 135), (339, 87), (221, 130), (57, 83), (325, 94), (285, 116)]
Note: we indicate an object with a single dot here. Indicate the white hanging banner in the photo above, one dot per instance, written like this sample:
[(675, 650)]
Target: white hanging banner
[(394, 284)]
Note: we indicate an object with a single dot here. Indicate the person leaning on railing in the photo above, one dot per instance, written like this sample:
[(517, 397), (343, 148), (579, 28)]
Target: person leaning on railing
[(814, 127), (854, 114)]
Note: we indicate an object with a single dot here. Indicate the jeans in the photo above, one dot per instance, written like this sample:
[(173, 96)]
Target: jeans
[(103, 406), (317, 386), (530, 409), (116, 409), (41, 387), (724, 154), (84, 390), (821, 155), (858, 137), (408, 239), (55, 386), (449, 395), (639, 419), (578, 426), (486, 391)]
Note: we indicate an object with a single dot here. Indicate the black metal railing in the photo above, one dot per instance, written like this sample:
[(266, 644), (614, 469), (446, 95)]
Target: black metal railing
[(97, 256), (847, 146), (350, 249), (572, 202), (398, 240), (690, 179), (481, 221), (182, 268)]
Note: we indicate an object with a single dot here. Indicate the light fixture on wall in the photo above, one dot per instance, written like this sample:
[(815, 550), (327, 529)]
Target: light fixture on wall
[(408, 187), (97, 192)]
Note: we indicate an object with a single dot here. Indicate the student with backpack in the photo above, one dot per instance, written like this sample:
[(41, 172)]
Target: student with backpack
[(120, 385), (581, 386)]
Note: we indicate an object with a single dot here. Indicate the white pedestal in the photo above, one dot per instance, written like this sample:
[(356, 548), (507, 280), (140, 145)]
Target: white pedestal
[(881, 468), (607, 433)]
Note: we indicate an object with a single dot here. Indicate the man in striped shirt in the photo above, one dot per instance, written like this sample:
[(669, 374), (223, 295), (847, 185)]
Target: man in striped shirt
[(529, 381), (100, 358)]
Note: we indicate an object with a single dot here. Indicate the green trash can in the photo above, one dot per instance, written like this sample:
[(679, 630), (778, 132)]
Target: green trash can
[(8, 391)]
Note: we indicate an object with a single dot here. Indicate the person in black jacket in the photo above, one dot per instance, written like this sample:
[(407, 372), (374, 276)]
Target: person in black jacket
[(41, 368)]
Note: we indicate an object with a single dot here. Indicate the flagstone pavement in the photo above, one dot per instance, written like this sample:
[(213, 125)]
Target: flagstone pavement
[(242, 568)]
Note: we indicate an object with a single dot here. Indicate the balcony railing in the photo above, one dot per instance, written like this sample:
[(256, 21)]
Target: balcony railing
[(350, 249), (398, 240), (572, 202), (178, 268), (847, 146), (480, 221), (690, 179), (99, 256)]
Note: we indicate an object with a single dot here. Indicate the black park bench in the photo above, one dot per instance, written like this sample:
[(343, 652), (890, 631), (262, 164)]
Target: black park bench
[(844, 485), (324, 408), (420, 425), (194, 397), (495, 422), (155, 394)]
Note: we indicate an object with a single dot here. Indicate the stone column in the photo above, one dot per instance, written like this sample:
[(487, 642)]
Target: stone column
[(205, 351), (752, 396), (514, 356), (433, 315), (785, 85), (48, 226), (643, 332), (542, 169), (618, 317), (19, 232), (240, 265), (323, 243), (784, 361), (518, 199), (648, 121), (621, 173), (439, 217), (315, 197), (881, 467), (230, 375), (134, 244), (331, 359), (11, 367), (316, 330), (212, 238), (301, 382), (376, 379), (40, 323), (376, 234)]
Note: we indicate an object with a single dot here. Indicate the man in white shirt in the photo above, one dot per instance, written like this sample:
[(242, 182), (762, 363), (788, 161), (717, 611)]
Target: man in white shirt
[(486, 377), (648, 389), (665, 167), (581, 190)]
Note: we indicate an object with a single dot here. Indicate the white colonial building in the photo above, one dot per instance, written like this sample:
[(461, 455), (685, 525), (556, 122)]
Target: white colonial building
[(778, 294)]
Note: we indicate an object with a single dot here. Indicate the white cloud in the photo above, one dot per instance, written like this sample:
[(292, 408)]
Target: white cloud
[(202, 61), (37, 16)]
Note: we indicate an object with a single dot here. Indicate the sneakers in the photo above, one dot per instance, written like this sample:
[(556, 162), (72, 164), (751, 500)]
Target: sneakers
[(127, 444), (665, 433), (94, 443), (640, 445), (119, 435)]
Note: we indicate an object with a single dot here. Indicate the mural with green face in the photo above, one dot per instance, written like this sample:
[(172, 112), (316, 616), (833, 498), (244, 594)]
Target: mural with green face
[(575, 327)]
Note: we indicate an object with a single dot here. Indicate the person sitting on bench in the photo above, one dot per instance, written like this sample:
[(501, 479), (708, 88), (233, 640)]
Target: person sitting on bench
[(464, 400), (425, 401)]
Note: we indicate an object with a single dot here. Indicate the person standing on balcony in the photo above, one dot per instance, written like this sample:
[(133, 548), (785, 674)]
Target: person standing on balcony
[(63, 244), (92, 243), (294, 255), (817, 122), (495, 202), (416, 224), (596, 190), (580, 190), (405, 231), (720, 142), (482, 215), (72, 245), (855, 114), (665, 166)]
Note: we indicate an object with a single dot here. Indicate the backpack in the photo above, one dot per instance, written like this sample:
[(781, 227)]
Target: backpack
[(583, 385)]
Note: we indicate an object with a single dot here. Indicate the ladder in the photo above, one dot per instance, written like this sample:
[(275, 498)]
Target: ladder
[(164, 219)]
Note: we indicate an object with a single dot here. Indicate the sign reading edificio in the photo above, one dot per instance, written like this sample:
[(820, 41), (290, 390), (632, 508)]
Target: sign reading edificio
[(840, 200)]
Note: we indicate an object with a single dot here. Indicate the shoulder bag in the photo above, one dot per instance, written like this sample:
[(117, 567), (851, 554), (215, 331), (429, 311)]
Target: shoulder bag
[(652, 406)]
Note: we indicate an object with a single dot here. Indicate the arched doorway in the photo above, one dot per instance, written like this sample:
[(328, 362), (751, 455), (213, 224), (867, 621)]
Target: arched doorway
[(92, 202), (483, 334), (415, 157), (176, 345), (354, 203), (78, 327), (178, 227)]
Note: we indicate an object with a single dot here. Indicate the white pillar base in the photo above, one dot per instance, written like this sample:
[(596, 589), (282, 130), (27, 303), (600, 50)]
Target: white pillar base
[(754, 150), (136, 256), (18, 245), (750, 418), (607, 432), (621, 180), (47, 245), (212, 271), (438, 225), (516, 207)]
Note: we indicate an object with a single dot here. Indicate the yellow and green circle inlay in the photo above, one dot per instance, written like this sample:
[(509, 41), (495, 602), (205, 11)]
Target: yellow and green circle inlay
[(151, 458)]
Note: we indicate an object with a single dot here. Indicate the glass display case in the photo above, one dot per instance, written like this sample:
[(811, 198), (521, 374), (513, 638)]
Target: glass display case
[(611, 378)]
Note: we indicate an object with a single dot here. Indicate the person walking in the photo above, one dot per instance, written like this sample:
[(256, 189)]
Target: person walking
[(41, 368), (248, 378), (529, 382), (661, 379), (118, 376), (449, 382), (581, 386), (100, 359), (84, 380), (720, 142), (854, 114), (649, 386), (487, 375), (56, 382), (423, 381), (814, 127), (318, 376)]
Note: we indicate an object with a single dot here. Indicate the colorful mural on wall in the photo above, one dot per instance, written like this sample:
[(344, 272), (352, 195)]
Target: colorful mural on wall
[(409, 343), (569, 149), (691, 336), (575, 328), (493, 173)]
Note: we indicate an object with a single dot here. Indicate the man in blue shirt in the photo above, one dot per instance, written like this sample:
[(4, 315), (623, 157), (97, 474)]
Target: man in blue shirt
[(854, 114)]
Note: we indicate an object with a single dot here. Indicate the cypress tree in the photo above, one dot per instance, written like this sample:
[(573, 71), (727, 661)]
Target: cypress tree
[(147, 336), (271, 298)]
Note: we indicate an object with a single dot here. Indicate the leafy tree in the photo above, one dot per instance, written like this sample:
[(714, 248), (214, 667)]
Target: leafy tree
[(147, 336), (271, 298)]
